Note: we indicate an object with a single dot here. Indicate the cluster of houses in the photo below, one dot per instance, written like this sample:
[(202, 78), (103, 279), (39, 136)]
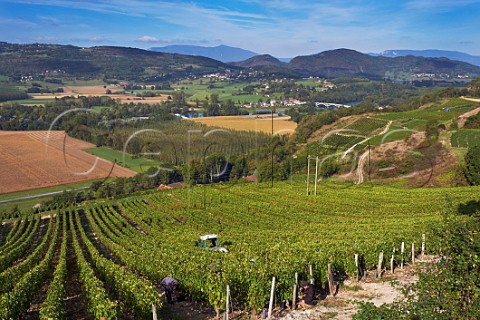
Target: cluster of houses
[(440, 75)]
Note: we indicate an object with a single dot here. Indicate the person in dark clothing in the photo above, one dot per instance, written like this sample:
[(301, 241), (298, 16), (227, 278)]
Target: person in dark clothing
[(170, 285), (306, 300)]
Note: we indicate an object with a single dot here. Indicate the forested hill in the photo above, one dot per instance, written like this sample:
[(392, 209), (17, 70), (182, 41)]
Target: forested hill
[(100, 62), (132, 64), (350, 63)]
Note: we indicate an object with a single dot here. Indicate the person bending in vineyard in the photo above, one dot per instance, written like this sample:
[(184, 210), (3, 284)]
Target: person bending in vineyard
[(170, 285), (306, 300)]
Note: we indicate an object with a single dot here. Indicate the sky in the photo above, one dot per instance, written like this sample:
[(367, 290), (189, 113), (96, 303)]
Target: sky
[(283, 28)]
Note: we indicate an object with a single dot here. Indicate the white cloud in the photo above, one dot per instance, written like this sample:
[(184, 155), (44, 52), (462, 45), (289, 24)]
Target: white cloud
[(148, 39)]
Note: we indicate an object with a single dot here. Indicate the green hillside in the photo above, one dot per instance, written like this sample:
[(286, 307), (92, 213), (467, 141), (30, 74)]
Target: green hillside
[(60, 61)]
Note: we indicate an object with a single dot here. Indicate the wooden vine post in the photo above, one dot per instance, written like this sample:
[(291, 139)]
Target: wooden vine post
[(423, 244), (154, 311), (227, 304), (380, 264), (272, 295), (402, 250), (295, 286), (413, 253), (330, 280), (357, 275), (392, 260)]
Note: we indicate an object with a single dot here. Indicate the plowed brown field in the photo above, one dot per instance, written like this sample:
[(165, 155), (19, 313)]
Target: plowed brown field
[(38, 159)]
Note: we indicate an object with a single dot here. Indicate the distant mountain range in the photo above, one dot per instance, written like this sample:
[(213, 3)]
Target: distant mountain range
[(131, 64), (432, 53), (351, 63), (221, 53), (137, 65)]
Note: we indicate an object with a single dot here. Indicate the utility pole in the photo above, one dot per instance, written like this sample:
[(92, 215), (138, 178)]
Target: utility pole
[(308, 171), (369, 161), (316, 174)]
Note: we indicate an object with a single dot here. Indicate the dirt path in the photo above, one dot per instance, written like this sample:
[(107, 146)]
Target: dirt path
[(343, 305), (361, 163), (463, 118), (75, 303), (385, 130)]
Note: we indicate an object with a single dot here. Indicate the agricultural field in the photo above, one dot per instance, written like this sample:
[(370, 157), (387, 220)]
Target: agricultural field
[(130, 245), (443, 113), (341, 141), (38, 159), (202, 88), (281, 125), (465, 138), (136, 164), (366, 126)]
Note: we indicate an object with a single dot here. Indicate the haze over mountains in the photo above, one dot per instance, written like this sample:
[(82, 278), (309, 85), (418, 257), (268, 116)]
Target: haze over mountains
[(221, 53), (233, 54), (433, 53)]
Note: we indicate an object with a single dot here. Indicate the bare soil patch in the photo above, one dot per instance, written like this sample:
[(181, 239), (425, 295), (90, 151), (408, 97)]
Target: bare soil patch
[(463, 118), (343, 305), (38, 159)]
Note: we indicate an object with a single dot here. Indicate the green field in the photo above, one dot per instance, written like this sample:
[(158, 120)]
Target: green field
[(98, 109), (31, 101), (394, 134), (125, 160), (29, 203), (455, 106), (366, 126), (341, 141), (202, 88), (465, 138)]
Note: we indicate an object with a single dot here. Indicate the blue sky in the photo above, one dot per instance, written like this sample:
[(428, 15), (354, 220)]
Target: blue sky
[(284, 28)]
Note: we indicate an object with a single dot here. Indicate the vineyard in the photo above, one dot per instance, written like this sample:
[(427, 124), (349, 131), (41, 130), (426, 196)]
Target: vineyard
[(465, 138), (119, 251), (341, 141), (366, 126)]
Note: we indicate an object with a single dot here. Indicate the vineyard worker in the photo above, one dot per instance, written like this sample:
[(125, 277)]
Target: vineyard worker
[(306, 300), (170, 285)]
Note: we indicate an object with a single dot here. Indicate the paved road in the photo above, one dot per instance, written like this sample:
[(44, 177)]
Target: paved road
[(40, 195)]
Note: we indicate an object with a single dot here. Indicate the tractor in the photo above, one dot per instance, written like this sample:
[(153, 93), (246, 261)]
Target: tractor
[(210, 242)]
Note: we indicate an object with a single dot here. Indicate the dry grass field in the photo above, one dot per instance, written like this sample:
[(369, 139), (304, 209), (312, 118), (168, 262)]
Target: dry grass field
[(262, 123), (101, 91), (37, 159)]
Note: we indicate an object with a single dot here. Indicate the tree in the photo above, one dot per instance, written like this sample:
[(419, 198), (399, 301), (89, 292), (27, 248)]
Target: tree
[(472, 166)]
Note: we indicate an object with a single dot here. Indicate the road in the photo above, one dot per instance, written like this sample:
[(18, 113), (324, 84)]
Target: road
[(41, 195)]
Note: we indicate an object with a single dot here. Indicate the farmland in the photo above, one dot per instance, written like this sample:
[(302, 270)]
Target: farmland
[(269, 231), (465, 138), (444, 113), (281, 125), (136, 164), (37, 159)]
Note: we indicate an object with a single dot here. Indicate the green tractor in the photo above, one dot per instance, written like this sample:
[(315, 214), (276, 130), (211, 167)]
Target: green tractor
[(210, 242)]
